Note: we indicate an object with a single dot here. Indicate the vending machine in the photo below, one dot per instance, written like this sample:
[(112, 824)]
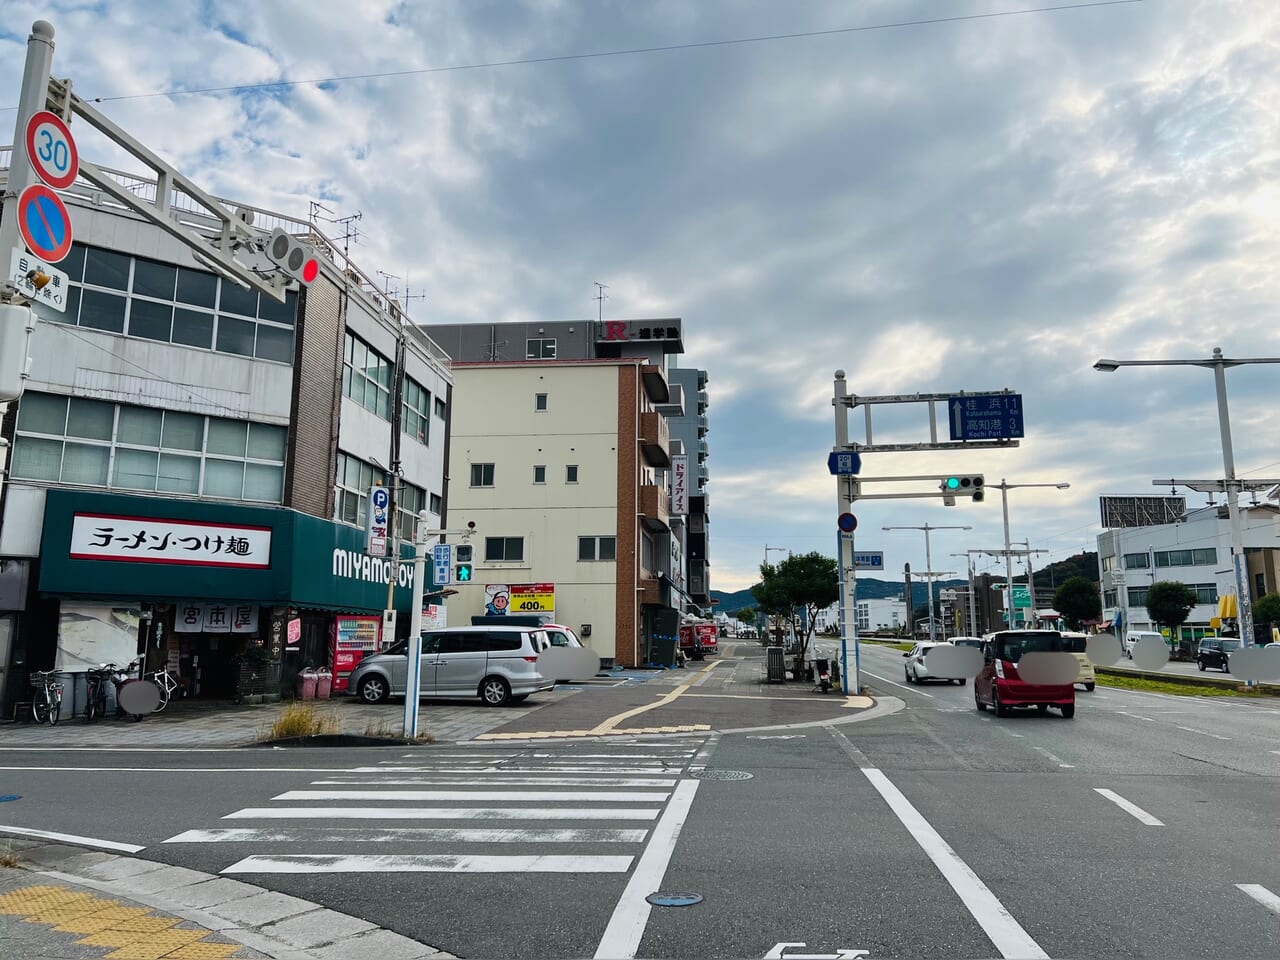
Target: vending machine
[(351, 639)]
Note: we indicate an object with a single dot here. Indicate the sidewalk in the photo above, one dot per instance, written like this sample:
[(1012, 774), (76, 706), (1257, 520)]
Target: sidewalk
[(67, 902)]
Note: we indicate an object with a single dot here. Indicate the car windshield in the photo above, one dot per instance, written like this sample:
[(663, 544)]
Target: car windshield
[(1229, 645), (1210, 645), (1075, 644), (1011, 646)]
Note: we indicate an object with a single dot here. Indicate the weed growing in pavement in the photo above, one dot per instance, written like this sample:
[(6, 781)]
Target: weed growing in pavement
[(301, 720), (8, 858), (379, 728)]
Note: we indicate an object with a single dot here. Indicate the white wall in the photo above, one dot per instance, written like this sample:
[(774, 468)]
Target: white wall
[(494, 421)]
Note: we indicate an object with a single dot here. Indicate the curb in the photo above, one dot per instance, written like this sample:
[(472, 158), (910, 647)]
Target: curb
[(275, 924), (1226, 682)]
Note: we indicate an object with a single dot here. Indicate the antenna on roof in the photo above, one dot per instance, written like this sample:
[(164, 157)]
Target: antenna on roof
[(600, 298)]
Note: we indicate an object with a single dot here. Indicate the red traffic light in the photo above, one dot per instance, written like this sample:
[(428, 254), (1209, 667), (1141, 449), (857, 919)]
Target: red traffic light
[(310, 270)]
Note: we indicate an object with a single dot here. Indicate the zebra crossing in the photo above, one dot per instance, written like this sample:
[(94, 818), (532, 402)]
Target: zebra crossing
[(572, 808)]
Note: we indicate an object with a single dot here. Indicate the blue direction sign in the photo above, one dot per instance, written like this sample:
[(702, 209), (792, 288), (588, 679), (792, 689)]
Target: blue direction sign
[(44, 223), (844, 463), (873, 560), (985, 416), (442, 564)]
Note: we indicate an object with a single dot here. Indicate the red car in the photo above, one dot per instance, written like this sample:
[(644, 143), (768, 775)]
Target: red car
[(1000, 687)]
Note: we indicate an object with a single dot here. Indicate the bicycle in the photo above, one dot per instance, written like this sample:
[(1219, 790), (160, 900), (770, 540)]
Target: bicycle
[(165, 684), (135, 697), (46, 705), (96, 690)]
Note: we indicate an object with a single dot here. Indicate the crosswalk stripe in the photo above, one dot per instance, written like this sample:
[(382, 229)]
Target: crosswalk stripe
[(410, 834), (428, 863), (533, 768), (529, 796), (496, 780), (445, 813)]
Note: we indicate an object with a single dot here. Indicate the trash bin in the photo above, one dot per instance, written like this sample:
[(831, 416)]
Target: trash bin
[(307, 681), (324, 684), (775, 665), (664, 651)]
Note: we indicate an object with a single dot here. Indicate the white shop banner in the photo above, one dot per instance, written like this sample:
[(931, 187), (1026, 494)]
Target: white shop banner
[(200, 616), (99, 536), (680, 485)]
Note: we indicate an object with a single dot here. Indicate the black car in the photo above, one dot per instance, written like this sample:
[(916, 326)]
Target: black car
[(1214, 653)]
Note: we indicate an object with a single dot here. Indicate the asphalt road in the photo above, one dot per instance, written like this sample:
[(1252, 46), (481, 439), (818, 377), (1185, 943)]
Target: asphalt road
[(936, 832)]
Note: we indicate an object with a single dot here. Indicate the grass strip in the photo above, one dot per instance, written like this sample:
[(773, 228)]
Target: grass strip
[(1173, 687)]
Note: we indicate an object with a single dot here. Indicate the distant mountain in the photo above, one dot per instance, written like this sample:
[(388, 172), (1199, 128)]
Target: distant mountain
[(869, 588), (1081, 565)]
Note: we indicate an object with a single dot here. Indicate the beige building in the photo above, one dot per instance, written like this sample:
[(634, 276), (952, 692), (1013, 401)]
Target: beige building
[(561, 466)]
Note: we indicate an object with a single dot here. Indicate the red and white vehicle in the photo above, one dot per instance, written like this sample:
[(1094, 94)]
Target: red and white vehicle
[(699, 639)]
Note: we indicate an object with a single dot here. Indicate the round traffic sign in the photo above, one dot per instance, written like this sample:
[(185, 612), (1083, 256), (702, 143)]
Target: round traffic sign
[(847, 522), (44, 223), (381, 498), (51, 150)]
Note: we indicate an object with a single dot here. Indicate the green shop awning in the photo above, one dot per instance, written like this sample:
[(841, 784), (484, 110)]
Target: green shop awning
[(114, 546)]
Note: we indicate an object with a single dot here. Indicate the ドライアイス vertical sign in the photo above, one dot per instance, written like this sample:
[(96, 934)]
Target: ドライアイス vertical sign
[(52, 150)]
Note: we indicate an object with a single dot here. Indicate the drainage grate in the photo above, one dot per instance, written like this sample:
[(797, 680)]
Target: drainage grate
[(674, 899), (722, 775)]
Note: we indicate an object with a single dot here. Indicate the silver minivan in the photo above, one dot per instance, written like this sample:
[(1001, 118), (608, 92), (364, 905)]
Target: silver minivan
[(498, 664)]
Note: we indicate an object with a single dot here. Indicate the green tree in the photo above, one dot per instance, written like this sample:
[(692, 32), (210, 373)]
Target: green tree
[(1267, 609), (1169, 602), (772, 599), (808, 582), (747, 615), (1078, 601)]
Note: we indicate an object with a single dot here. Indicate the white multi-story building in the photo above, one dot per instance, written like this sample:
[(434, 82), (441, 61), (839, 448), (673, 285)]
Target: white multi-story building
[(1196, 551), (873, 614)]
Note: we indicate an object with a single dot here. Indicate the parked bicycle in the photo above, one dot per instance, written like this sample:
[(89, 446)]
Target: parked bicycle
[(96, 690), (165, 685), (135, 697), (46, 703)]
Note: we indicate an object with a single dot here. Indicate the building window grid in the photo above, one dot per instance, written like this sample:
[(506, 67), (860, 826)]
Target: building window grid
[(571, 473), (1187, 558), (416, 411), (597, 548), (269, 472), (482, 475), (504, 549), (367, 376), (540, 349), (540, 473), (540, 402), (1137, 561), (135, 304)]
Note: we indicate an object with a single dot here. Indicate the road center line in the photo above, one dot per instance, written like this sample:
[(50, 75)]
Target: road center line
[(997, 923), (1204, 733), (175, 769), (72, 838), (892, 683), (1058, 760), (1261, 894), (630, 917), (1130, 808)]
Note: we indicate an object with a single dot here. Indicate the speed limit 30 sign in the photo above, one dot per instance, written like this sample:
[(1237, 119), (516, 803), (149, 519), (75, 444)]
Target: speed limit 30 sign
[(51, 150)]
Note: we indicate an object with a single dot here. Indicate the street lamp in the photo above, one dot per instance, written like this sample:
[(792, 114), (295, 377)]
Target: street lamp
[(1218, 364), (1004, 487), (767, 548), (928, 561), (973, 601)]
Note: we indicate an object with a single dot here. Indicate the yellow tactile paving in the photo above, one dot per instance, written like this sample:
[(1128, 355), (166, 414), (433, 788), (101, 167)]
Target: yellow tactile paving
[(130, 933)]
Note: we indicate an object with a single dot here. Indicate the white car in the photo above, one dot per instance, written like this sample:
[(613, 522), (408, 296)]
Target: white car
[(917, 670), (1133, 636)]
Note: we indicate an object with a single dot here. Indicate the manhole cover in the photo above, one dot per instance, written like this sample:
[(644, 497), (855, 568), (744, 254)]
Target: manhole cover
[(674, 899), (722, 775)]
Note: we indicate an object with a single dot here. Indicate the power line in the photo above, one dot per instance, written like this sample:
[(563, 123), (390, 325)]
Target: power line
[(628, 52)]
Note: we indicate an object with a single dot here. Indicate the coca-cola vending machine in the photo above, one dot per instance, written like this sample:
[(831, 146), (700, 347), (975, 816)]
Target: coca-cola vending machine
[(351, 639)]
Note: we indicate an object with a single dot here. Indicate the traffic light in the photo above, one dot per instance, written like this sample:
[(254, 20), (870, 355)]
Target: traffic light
[(293, 256), (463, 573), (970, 486)]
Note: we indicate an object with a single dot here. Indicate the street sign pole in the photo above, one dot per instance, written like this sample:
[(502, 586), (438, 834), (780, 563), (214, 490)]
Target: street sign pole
[(844, 550), (413, 674)]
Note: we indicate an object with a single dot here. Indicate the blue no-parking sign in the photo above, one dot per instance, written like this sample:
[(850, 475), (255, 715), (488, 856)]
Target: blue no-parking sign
[(44, 223)]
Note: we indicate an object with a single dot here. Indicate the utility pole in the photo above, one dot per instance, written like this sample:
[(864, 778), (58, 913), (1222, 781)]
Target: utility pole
[(928, 559), (1005, 486), (848, 575)]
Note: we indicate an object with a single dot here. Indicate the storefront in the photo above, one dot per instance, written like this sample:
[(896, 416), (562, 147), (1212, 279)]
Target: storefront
[(233, 600)]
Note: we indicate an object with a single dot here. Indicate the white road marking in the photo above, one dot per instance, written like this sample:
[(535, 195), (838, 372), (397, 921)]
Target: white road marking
[(72, 838), (176, 769), (1058, 760), (1204, 733), (1130, 808), (626, 926), (1126, 713), (529, 796), (532, 768), (1261, 894), (462, 781), (997, 923), (427, 863), (446, 813), (409, 834), (895, 684)]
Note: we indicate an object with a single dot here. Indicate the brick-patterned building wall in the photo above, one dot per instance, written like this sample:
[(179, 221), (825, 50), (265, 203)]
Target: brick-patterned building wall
[(627, 638), (317, 385)]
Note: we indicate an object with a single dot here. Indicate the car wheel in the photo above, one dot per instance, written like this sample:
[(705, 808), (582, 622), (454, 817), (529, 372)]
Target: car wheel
[(1090, 686), (1068, 711), (373, 689), (977, 701), (1200, 664), (961, 681), (495, 692), (1000, 709), (1042, 708), (907, 673)]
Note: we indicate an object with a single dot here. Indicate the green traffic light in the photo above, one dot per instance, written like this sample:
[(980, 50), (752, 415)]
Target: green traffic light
[(953, 483), (464, 572)]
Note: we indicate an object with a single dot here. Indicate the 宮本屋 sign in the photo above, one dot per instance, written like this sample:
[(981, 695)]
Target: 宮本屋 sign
[(501, 598), (680, 484), (204, 617), (98, 536)]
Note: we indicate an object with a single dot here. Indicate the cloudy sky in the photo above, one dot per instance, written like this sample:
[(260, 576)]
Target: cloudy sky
[(969, 205)]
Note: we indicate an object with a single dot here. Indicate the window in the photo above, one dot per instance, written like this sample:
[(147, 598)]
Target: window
[(571, 473), (440, 408), (1186, 558), (157, 301), (597, 548), (1137, 596), (1108, 563), (125, 447), (540, 349), (1259, 584), (540, 473), (540, 402), (500, 549), (1109, 598), (351, 487), (646, 552), (437, 504), (409, 504), (415, 415), (1206, 592), (1137, 561), (366, 377), (482, 474)]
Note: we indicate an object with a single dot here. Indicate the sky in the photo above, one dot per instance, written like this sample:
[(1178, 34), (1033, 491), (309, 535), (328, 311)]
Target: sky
[(971, 205)]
